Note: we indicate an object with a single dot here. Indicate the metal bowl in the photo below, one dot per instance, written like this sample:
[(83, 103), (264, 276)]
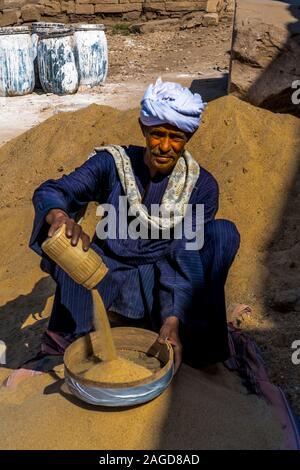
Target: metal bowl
[(124, 394)]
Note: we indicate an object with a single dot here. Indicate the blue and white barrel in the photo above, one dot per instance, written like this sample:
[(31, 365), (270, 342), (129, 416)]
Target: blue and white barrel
[(56, 62), (16, 61), (42, 27), (92, 55)]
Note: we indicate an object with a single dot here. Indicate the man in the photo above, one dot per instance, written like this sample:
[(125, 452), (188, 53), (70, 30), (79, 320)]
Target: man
[(178, 292)]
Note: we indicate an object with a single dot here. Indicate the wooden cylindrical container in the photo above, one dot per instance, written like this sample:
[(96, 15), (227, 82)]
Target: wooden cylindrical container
[(85, 267)]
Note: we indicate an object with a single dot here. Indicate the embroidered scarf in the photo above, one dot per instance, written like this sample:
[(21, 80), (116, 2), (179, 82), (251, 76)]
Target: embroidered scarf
[(177, 194)]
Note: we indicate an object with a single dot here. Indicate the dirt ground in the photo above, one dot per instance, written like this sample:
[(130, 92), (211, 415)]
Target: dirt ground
[(193, 52), (197, 57)]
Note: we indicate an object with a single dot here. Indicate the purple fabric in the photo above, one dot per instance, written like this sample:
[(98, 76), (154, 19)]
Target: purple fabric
[(246, 359)]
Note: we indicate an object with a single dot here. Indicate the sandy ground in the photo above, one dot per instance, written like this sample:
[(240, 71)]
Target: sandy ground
[(42, 414), (254, 155), (205, 69), (197, 57)]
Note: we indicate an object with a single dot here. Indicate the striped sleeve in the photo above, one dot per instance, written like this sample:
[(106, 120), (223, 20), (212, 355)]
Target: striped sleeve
[(71, 193)]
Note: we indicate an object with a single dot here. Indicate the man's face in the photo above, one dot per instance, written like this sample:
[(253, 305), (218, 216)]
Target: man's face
[(165, 144)]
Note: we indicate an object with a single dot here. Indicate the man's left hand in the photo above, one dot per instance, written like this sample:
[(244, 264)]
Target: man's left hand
[(169, 331)]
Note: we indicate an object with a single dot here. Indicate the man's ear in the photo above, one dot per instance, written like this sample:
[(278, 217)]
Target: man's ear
[(142, 127)]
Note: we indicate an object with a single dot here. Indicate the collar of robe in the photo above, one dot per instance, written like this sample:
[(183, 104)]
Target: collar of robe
[(176, 196)]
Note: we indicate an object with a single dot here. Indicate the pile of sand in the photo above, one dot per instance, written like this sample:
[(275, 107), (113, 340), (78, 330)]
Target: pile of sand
[(198, 411), (130, 365), (254, 155), (119, 370), (252, 152)]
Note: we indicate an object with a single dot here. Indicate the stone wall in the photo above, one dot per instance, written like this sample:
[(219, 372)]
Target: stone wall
[(14, 12), (265, 65)]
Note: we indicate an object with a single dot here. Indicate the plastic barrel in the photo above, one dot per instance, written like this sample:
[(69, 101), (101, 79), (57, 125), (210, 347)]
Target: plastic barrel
[(16, 58), (56, 62), (92, 55), (42, 27)]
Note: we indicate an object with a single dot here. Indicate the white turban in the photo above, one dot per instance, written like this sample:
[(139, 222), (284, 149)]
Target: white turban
[(170, 103)]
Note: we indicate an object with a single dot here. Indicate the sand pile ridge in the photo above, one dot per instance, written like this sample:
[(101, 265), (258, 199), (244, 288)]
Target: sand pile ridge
[(254, 154)]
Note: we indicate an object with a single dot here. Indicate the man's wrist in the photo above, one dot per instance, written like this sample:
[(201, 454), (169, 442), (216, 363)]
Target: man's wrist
[(53, 213)]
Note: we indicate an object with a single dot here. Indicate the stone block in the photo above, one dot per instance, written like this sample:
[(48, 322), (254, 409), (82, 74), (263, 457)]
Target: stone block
[(192, 20), (84, 9), (9, 17), (185, 6), (211, 6), (214, 6), (132, 15), (31, 12), (68, 6), (154, 6), (265, 55), (51, 8), (210, 19), (97, 2), (11, 4), (120, 8)]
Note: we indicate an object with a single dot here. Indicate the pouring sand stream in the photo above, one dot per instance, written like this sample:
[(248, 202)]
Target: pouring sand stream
[(87, 269), (109, 366), (102, 326)]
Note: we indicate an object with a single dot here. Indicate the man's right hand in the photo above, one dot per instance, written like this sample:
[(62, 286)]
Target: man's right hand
[(57, 217)]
